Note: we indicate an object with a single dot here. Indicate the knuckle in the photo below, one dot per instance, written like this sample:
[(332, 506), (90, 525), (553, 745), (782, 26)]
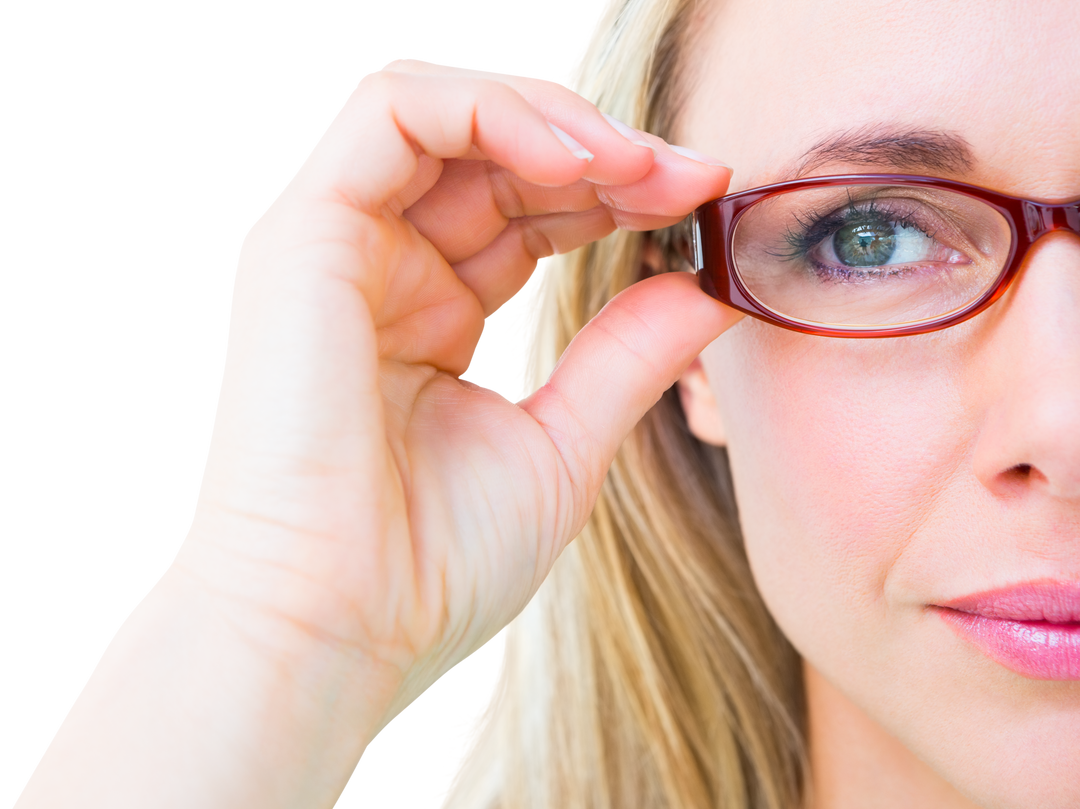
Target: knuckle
[(381, 87), (504, 192), (407, 63), (533, 239)]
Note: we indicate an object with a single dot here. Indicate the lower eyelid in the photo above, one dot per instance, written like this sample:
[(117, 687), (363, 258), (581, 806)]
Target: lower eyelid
[(851, 274)]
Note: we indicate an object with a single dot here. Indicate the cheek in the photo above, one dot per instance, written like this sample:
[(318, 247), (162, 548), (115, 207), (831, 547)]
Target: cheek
[(837, 449)]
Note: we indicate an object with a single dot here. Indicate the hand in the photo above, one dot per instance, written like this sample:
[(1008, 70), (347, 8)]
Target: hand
[(368, 519)]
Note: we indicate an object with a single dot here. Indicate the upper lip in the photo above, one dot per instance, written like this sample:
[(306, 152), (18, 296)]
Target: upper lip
[(1055, 602)]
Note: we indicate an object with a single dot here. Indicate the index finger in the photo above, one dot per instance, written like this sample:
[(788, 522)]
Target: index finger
[(371, 151), (567, 110)]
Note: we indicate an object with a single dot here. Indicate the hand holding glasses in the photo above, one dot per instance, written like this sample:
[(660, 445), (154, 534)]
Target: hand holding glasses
[(868, 255)]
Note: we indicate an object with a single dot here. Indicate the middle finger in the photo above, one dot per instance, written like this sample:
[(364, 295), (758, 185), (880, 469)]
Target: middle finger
[(474, 200)]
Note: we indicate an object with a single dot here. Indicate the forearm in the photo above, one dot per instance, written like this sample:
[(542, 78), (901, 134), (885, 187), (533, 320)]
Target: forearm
[(190, 707)]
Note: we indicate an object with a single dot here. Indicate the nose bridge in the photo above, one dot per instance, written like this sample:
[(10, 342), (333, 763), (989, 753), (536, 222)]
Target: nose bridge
[(1042, 219)]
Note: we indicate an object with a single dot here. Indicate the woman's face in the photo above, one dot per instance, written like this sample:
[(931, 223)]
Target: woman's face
[(878, 479)]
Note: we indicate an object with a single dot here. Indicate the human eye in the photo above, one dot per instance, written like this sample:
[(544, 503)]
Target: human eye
[(868, 255), (871, 240)]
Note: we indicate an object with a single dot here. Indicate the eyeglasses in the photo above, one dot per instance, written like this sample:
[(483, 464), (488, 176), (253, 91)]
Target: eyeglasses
[(868, 255)]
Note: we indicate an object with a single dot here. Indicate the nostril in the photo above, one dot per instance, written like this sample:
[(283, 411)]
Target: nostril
[(1016, 479)]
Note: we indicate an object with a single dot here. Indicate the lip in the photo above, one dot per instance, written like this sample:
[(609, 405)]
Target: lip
[(1032, 629)]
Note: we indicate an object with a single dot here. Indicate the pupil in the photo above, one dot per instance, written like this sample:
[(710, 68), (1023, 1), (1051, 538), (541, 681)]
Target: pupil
[(864, 245)]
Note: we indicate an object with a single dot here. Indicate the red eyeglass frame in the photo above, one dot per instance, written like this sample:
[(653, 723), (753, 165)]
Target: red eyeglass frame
[(713, 225)]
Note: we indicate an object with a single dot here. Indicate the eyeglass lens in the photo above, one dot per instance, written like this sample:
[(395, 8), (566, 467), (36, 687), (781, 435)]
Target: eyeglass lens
[(867, 256)]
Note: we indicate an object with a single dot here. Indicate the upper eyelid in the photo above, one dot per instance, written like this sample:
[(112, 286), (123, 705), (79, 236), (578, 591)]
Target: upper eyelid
[(801, 243), (840, 211)]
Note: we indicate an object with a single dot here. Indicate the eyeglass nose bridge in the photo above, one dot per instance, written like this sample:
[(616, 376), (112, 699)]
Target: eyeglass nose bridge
[(1042, 219)]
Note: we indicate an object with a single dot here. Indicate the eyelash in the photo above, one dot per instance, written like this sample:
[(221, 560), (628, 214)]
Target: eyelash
[(818, 227)]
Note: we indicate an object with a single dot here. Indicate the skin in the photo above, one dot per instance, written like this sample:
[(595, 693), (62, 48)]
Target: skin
[(878, 477), (367, 520)]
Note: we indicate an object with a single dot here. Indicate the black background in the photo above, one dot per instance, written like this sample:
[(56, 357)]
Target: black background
[(146, 146)]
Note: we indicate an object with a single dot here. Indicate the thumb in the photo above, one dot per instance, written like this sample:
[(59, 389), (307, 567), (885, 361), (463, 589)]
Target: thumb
[(619, 366)]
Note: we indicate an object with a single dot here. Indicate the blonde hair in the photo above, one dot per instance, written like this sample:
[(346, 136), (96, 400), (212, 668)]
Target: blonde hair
[(647, 671)]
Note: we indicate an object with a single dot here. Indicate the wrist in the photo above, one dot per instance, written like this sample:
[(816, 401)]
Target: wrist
[(195, 703)]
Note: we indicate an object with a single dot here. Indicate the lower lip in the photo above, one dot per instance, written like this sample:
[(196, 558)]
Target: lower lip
[(1036, 649)]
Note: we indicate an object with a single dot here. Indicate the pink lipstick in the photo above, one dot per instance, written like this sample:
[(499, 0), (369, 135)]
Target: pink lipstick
[(1032, 629)]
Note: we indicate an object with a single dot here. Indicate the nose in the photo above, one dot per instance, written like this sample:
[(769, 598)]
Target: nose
[(1030, 439)]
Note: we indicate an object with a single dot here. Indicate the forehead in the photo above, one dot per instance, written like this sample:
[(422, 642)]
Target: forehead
[(769, 79)]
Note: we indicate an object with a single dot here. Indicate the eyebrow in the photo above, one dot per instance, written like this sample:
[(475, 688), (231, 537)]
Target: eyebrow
[(925, 150)]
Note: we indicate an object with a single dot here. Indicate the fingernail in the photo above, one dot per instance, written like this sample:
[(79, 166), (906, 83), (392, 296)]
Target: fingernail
[(699, 157), (627, 132), (576, 149)]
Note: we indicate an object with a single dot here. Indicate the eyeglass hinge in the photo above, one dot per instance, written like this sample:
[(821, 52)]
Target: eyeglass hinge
[(695, 237)]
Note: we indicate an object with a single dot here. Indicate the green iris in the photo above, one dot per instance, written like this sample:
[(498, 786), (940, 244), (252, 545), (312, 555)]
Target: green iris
[(865, 245)]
